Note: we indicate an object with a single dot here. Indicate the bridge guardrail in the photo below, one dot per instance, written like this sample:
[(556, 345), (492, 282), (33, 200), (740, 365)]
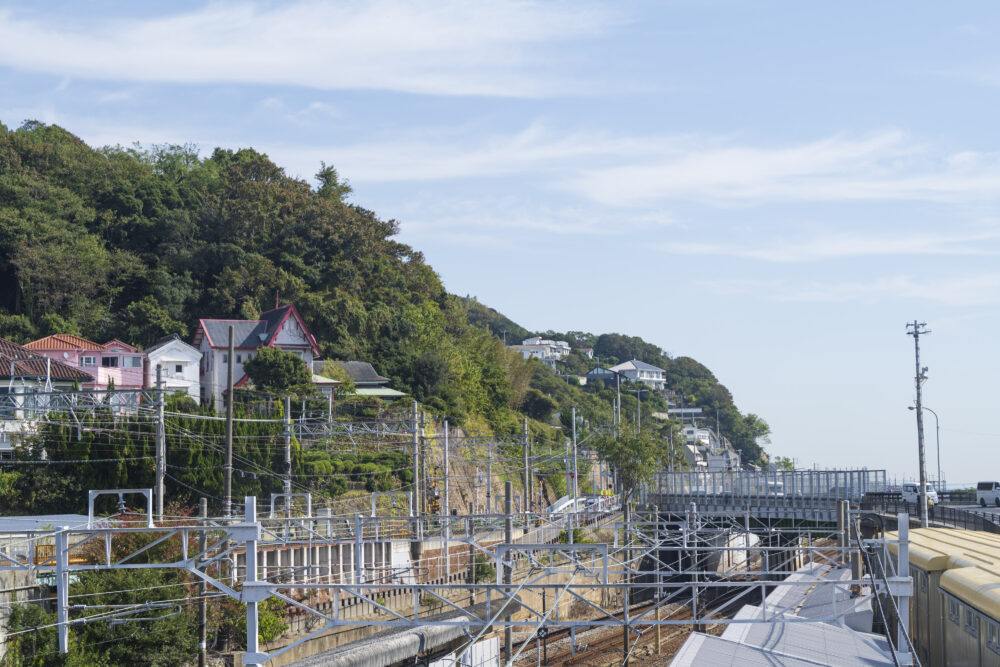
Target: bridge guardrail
[(942, 514)]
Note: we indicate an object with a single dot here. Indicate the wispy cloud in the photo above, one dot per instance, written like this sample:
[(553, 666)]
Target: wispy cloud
[(839, 246), (443, 47), (971, 290), (884, 166), (655, 170)]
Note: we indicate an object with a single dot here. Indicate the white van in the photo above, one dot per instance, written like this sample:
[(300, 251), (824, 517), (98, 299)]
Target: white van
[(988, 493), (911, 493)]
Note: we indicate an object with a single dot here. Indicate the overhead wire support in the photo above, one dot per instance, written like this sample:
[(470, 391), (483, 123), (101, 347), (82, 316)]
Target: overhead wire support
[(917, 329)]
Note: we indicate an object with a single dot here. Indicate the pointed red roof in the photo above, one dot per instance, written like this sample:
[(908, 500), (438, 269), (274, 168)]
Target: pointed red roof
[(63, 342)]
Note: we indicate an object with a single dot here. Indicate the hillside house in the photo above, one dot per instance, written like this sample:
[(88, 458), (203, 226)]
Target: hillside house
[(640, 371), (180, 364), (282, 328), (113, 362), (23, 374)]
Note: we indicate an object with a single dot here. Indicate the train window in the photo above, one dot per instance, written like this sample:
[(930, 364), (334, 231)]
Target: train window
[(953, 610), (993, 636), (971, 622)]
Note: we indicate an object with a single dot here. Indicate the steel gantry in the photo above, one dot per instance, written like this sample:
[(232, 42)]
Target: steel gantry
[(349, 575)]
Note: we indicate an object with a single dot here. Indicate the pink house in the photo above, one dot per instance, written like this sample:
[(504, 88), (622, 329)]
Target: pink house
[(113, 361)]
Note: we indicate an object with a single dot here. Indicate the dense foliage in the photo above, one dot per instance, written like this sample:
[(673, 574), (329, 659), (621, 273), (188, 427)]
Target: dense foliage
[(134, 244)]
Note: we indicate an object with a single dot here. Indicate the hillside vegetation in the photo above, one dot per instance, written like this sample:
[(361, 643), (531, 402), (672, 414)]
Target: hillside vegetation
[(136, 243)]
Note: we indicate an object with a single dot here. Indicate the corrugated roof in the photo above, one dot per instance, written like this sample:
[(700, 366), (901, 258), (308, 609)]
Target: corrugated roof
[(63, 342), (361, 372), (35, 367)]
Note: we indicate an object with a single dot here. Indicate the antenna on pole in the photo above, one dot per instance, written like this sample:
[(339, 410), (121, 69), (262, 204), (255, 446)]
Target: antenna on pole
[(917, 329)]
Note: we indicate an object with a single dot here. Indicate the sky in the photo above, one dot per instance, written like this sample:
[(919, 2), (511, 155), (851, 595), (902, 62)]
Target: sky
[(772, 188)]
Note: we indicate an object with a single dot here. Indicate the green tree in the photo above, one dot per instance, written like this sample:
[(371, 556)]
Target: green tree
[(277, 370), (636, 458)]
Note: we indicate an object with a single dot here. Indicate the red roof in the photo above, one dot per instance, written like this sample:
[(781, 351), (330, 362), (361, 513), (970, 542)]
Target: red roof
[(27, 364), (63, 342)]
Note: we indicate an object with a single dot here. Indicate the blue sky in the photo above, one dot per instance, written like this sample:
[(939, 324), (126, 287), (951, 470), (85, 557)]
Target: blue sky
[(772, 188)]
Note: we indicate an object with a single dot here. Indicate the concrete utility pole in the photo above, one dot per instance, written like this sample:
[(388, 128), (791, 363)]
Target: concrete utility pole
[(227, 496), (416, 459), (447, 509), (288, 459), (527, 474), (161, 443), (916, 329), (508, 534), (202, 588), (576, 484)]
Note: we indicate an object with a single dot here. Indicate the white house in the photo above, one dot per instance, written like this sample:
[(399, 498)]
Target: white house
[(282, 328), (640, 371), (180, 365)]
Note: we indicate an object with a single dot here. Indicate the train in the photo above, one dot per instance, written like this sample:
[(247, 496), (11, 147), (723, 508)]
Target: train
[(955, 607)]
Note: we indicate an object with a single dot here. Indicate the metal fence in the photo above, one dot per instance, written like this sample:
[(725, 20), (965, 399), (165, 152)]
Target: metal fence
[(764, 487), (968, 519)]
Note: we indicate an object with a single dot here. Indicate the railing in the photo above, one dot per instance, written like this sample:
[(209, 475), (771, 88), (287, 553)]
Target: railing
[(892, 503)]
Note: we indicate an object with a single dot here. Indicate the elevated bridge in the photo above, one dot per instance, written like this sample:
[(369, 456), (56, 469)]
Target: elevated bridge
[(810, 495)]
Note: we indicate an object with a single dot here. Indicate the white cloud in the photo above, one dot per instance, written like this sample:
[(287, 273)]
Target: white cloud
[(971, 290), (884, 166), (420, 46), (837, 246)]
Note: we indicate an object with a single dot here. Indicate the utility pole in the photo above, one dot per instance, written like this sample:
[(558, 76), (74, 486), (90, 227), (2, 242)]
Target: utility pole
[(508, 533), (288, 460), (527, 474), (489, 479), (618, 404), (576, 487), (161, 443), (202, 600), (416, 459), (447, 509), (227, 496), (916, 329)]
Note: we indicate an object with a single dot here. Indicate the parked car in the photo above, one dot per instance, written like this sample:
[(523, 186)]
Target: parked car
[(911, 493), (988, 493)]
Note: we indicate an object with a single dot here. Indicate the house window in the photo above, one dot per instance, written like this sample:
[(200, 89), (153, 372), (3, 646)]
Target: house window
[(88, 361), (971, 622), (178, 368), (239, 358), (225, 357), (109, 362), (953, 610), (133, 362)]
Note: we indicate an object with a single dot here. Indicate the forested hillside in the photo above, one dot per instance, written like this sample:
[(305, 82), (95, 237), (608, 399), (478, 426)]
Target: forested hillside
[(137, 243)]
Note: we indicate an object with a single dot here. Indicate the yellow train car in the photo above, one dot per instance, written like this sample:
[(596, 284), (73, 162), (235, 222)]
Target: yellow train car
[(955, 608)]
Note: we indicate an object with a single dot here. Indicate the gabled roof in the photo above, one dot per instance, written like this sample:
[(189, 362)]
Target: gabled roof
[(637, 365), (35, 366), (63, 342), (167, 340), (250, 334), (361, 372), (115, 342)]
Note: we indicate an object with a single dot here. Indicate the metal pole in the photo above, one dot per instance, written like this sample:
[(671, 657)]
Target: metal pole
[(416, 459), (287, 473), (527, 474), (508, 533), (628, 581), (62, 589), (576, 483), (489, 479), (202, 601), (227, 496), (161, 443), (918, 329), (446, 542), (253, 646)]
